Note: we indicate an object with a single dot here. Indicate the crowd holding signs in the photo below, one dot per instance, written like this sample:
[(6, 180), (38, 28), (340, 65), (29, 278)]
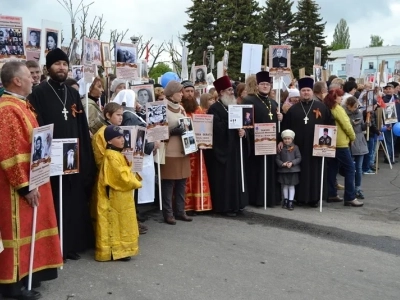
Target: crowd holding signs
[(90, 157)]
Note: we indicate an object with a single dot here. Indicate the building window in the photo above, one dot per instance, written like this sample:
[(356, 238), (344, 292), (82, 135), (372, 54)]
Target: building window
[(330, 68), (343, 67), (370, 65)]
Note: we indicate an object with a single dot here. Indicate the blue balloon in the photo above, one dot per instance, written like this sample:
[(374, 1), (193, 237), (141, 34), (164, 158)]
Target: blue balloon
[(396, 129), (167, 77), (384, 128)]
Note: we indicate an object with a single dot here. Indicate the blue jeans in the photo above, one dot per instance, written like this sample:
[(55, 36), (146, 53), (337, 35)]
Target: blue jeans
[(369, 158), (344, 159), (358, 165)]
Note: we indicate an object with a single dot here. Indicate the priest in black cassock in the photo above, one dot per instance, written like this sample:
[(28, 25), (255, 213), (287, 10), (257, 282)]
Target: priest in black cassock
[(265, 111), (58, 104), (302, 118), (223, 161)]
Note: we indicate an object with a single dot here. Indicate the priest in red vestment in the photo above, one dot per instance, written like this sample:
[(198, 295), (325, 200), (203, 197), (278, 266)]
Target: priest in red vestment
[(194, 201), (16, 202)]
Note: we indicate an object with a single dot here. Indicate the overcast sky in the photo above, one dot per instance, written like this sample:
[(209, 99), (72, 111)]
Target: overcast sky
[(163, 19)]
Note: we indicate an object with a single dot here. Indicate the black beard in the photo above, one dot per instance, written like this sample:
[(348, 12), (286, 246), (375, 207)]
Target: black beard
[(58, 77), (189, 104)]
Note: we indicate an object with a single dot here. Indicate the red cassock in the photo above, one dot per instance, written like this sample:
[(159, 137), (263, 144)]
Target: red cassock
[(193, 184), (17, 122)]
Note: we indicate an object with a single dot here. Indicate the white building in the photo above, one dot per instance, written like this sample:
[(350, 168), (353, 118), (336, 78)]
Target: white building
[(371, 59)]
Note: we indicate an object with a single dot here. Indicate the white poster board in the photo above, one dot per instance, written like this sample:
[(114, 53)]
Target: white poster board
[(188, 138), (251, 58), (241, 116), (40, 156), (203, 129), (325, 141), (51, 34), (64, 157), (135, 137), (157, 123)]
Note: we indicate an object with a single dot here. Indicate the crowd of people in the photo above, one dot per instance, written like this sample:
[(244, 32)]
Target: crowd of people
[(100, 203)]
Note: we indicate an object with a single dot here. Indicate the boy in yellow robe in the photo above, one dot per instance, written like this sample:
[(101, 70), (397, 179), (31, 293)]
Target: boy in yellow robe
[(117, 231)]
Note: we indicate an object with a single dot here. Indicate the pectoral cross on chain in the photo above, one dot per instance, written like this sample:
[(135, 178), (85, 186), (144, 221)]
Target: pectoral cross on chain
[(305, 120), (65, 112), (270, 115)]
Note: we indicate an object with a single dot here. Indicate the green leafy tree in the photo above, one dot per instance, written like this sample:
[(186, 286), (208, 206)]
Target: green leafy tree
[(341, 36), (200, 29), (277, 21), (159, 70), (238, 23), (308, 34), (376, 41)]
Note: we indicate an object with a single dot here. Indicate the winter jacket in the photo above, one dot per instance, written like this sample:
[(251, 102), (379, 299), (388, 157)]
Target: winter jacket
[(345, 131), (289, 153), (359, 146)]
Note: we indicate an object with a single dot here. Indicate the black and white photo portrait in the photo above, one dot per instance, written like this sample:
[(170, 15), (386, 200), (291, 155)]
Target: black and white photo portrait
[(139, 141), (317, 56), (325, 138), (157, 114), (96, 51), (38, 148), (144, 96), (125, 54), (247, 117), (51, 40), (88, 50), (34, 38), (390, 113), (279, 59), (318, 74), (106, 52), (200, 75), (128, 139), (77, 72), (70, 160)]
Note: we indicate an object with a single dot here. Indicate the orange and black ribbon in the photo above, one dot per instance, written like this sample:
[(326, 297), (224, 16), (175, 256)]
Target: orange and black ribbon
[(317, 113), (75, 111)]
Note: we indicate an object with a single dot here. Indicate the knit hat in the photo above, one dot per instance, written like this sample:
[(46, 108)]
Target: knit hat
[(222, 83), (293, 93), (287, 133), (54, 56), (172, 87), (187, 83), (116, 82), (112, 131)]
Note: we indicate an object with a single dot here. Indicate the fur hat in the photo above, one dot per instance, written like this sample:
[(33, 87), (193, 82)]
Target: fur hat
[(306, 82), (288, 133), (263, 76), (172, 87), (54, 56), (112, 131), (222, 83)]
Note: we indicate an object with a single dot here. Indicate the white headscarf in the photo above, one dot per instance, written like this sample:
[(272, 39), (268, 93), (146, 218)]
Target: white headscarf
[(127, 96)]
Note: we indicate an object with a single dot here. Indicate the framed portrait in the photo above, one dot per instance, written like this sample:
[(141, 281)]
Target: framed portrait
[(324, 141), (317, 71), (106, 54), (200, 75), (87, 51), (77, 72), (96, 50), (317, 56), (52, 37), (248, 117), (70, 157), (33, 38), (390, 113), (279, 59), (144, 93)]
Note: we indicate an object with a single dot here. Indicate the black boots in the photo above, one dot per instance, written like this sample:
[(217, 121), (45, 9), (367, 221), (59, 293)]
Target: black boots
[(288, 204)]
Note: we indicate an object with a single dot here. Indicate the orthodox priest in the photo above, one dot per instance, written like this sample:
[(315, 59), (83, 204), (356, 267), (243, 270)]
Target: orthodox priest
[(16, 202), (59, 104), (265, 111), (302, 118), (223, 161), (193, 201)]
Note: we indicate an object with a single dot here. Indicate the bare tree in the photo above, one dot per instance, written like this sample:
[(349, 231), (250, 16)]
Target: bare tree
[(116, 37), (176, 56)]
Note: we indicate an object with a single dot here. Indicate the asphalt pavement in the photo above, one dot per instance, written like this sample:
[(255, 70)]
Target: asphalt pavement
[(341, 253)]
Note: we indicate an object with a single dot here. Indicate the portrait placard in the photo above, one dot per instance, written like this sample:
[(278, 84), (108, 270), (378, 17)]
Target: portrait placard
[(106, 55), (265, 138), (144, 93), (203, 130), (32, 43), (40, 156), (96, 51), (279, 59), (325, 141), (188, 138), (64, 157), (135, 137), (317, 73), (199, 75), (126, 61), (225, 60), (317, 57), (77, 72), (51, 42), (11, 39), (157, 124), (241, 116), (390, 113)]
